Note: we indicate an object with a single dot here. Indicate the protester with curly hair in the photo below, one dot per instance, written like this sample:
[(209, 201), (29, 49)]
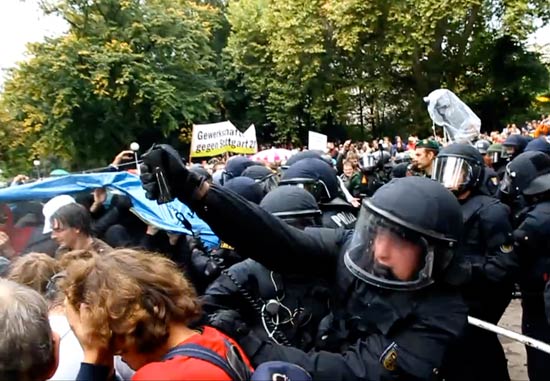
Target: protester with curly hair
[(140, 306)]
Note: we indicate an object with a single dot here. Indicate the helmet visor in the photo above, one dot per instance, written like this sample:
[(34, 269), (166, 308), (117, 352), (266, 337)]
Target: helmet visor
[(226, 176), (316, 187), (507, 180), (495, 156), (268, 183), (369, 161), (509, 151), (454, 173), (389, 256)]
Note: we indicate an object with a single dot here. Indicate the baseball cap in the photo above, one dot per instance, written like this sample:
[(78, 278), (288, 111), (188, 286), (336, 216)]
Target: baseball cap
[(53, 206)]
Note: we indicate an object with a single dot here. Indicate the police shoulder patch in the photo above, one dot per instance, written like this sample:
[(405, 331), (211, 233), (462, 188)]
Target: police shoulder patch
[(389, 357), (506, 248), (224, 245)]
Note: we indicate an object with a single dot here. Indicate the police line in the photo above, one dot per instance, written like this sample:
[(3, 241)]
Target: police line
[(510, 334)]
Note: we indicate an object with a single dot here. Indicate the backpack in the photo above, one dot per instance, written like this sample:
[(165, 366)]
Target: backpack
[(236, 368)]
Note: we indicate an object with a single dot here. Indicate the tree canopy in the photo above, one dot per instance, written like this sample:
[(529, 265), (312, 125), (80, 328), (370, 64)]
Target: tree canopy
[(147, 70), (126, 69)]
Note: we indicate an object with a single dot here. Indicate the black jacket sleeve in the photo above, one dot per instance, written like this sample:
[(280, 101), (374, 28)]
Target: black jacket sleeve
[(93, 372), (255, 233), (108, 219), (501, 262)]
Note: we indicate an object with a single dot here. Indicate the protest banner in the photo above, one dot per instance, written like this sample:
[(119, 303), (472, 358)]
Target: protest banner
[(218, 138), (316, 141)]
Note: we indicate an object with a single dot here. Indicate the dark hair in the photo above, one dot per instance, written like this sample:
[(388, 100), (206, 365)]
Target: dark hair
[(74, 216)]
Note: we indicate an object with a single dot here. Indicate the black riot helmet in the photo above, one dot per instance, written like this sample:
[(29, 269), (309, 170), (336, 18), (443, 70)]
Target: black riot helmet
[(382, 158), (405, 233), (294, 205), (521, 173), (482, 146), (402, 157), (235, 167), (310, 154), (245, 187), (514, 145), (459, 167), (541, 144), (263, 176), (368, 162), (201, 171), (315, 176)]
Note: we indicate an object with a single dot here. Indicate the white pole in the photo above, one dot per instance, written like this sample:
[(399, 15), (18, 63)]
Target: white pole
[(510, 334), (135, 147)]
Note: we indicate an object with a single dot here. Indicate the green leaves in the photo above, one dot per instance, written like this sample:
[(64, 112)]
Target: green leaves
[(324, 64), (147, 70), (124, 70)]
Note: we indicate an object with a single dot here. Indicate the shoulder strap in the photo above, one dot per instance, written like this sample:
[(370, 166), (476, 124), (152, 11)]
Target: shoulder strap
[(199, 352)]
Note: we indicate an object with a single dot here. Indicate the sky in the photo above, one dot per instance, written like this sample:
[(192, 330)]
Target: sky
[(21, 21)]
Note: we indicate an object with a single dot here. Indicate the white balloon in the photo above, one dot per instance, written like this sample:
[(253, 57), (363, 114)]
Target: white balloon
[(134, 146)]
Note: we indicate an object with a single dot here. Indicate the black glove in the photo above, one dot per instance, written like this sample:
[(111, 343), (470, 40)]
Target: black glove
[(165, 177), (230, 323)]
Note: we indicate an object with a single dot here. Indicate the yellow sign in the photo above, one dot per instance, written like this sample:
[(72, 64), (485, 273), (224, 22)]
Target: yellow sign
[(218, 138)]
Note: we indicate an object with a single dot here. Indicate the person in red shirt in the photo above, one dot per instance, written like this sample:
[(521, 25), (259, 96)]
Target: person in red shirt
[(138, 305)]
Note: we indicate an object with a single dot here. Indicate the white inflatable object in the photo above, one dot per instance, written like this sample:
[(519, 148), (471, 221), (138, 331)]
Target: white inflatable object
[(458, 120)]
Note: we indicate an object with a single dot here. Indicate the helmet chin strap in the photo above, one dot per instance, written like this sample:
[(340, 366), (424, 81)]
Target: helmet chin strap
[(383, 271), (462, 194)]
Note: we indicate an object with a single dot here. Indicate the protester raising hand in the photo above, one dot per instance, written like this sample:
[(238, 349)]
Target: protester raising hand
[(122, 156)]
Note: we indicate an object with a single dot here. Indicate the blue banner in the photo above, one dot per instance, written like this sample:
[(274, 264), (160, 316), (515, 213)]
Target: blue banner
[(167, 217)]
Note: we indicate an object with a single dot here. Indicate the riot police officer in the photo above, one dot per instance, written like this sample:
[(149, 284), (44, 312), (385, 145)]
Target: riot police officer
[(395, 310), (528, 177), (513, 146), (487, 247), (495, 159), (282, 307), (482, 146), (373, 175), (263, 176), (318, 178), (234, 167), (206, 265), (489, 183)]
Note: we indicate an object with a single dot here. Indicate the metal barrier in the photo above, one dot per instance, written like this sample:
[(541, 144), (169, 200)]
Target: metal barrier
[(510, 334)]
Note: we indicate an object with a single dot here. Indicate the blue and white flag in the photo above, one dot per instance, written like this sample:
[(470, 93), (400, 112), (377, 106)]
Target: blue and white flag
[(167, 217)]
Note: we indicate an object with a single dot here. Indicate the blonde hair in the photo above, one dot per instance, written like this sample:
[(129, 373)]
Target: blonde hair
[(34, 270)]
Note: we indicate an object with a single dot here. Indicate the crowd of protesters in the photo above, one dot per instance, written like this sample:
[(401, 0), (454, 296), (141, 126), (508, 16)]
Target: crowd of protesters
[(94, 292)]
